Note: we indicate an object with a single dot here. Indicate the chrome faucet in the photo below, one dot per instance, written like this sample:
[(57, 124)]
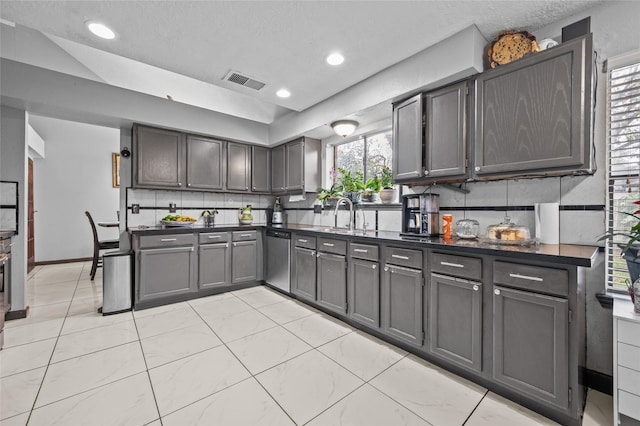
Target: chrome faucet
[(335, 212)]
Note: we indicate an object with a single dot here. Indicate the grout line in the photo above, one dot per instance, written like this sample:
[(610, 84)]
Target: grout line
[(476, 407)]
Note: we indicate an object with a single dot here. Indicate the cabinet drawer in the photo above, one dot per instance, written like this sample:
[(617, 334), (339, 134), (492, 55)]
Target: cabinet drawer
[(305, 241), (244, 235), (213, 237), (332, 246), (629, 404), (363, 251), (628, 332), (629, 380), (629, 356), (170, 240), (459, 266), (403, 257), (535, 278)]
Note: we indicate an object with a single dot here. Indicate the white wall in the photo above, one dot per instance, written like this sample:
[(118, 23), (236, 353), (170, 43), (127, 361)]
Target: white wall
[(74, 177)]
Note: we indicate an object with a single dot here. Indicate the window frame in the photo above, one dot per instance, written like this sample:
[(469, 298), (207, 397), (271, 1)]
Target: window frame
[(334, 151), (621, 61)]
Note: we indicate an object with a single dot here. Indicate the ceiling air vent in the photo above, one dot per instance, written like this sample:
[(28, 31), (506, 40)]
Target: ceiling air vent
[(243, 80)]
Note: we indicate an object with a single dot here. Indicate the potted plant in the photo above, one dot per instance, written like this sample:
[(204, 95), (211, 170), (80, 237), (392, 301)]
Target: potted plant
[(209, 216), (388, 192), (371, 189), (352, 184), (328, 197)]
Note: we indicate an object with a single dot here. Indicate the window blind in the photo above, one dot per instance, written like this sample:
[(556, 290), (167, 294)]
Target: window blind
[(623, 159)]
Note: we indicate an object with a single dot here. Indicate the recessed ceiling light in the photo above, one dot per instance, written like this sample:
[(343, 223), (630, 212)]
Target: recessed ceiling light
[(283, 93), (335, 59), (101, 30)]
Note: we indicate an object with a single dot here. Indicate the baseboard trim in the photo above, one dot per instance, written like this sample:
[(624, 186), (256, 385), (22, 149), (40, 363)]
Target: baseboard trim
[(55, 262), (598, 381), (17, 314)]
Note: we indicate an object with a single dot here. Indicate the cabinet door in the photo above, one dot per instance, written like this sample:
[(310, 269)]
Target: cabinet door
[(159, 158), (295, 166), (305, 273), (204, 163), (244, 261), (260, 169), (534, 114), (445, 132), (165, 272), (364, 292), (238, 167), (214, 265), (278, 169), (332, 282), (455, 320), (403, 304), (530, 344), (407, 140)]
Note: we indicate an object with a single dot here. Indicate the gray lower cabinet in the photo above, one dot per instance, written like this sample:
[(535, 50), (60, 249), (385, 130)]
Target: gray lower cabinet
[(166, 272), (244, 257), (304, 284), (534, 114), (530, 344), (332, 281), (455, 320), (260, 169), (158, 157), (214, 265), (278, 169), (238, 167), (205, 163), (402, 301), (364, 292), (407, 140)]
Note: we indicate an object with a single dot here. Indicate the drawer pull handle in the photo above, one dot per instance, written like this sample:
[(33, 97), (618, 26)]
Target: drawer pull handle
[(526, 277), (328, 244), (212, 237), (397, 256), (164, 240), (453, 265), (246, 235), (303, 241), (476, 287), (496, 292), (360, 250)]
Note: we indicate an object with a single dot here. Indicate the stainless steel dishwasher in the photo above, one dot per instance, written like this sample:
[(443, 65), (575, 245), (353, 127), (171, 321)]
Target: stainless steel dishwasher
[(278, 259)]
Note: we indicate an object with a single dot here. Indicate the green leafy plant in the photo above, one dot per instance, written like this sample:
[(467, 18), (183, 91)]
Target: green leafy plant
[(373, 185), (386, 178), (632, 235), (325, 194), (351, 182)]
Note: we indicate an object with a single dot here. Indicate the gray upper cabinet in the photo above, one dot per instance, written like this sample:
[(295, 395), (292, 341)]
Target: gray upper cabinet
[(530, 344), (205, 163), (533, 115), (158, 158), (445, 136), (278, 171), (260, 169), (455, 320), (238, 167), (332, 282), (407, 140), (295, 166), (402, 300)]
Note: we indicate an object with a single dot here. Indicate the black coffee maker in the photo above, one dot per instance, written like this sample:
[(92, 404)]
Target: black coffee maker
[(421, 215)]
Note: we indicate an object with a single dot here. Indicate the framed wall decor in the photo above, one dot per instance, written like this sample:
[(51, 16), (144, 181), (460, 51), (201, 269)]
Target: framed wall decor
[(115, 169)]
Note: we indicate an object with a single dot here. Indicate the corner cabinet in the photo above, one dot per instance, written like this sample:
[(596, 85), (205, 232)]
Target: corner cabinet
[(533, 115), (260, 169), (296, 166)]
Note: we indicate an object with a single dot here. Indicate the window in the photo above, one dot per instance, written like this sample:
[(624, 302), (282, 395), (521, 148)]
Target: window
[(623, 155), (368, 154)]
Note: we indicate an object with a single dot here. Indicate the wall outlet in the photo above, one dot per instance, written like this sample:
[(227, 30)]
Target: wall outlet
[(172, 207), (135, 208), (317, 209)]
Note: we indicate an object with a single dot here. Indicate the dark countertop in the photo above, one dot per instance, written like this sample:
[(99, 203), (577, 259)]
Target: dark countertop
[(569, 254), (6, 234)]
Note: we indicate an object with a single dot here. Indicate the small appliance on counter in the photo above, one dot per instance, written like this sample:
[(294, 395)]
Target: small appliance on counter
[(421, 215), (278, 216)]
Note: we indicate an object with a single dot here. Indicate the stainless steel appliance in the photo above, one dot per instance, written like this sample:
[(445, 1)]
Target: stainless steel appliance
[(278, 259), (116, 282), (421, 215)]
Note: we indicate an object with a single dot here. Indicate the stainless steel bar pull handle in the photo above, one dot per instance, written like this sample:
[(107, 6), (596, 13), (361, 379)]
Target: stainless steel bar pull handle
[(526, 277), (245, 235), (361, 251), (397, 256), (328, 244), (453, 265), (212, 237), (164, 240), (303, 241)]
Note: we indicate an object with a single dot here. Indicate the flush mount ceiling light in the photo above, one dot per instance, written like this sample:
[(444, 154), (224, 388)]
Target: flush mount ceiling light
[(344, 128), (335, 59), (101, 30), (283, 93)]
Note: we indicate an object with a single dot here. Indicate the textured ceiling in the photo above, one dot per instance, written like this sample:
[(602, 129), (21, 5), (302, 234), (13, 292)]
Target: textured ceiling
[(282, 43)]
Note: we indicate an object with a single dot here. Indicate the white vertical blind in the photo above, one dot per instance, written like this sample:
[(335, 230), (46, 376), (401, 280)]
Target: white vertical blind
[(623, 155)]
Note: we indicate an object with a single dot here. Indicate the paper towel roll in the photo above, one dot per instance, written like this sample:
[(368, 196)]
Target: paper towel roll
[(548, 222)]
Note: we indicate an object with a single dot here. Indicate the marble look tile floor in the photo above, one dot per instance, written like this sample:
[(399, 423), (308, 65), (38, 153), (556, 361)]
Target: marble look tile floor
[(249, 357)]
